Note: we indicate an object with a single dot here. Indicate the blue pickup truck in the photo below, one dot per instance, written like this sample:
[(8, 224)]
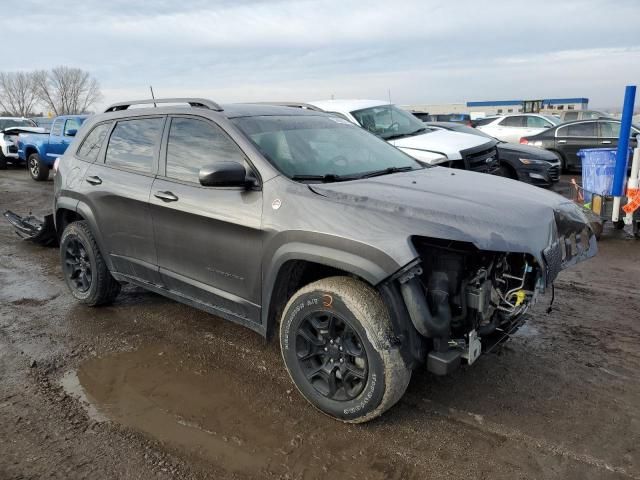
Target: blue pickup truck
[(40, 150)]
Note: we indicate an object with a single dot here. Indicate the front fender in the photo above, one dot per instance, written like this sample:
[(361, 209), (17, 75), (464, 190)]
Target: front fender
[(365, 261)]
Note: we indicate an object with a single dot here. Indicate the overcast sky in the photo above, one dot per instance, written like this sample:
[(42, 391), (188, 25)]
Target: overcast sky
[(422, 51)]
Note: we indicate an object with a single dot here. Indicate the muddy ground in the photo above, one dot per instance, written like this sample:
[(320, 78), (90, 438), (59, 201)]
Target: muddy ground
[(149, 388)]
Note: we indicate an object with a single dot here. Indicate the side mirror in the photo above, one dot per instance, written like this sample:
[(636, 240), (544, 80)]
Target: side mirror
[(225, 174), (71, 132)]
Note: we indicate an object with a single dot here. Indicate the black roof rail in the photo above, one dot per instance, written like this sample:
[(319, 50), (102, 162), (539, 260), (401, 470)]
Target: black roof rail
[(194, 102), (304, 106)]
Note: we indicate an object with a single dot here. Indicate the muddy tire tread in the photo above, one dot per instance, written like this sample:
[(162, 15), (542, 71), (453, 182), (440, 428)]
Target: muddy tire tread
[(368, 307), (108, 287)]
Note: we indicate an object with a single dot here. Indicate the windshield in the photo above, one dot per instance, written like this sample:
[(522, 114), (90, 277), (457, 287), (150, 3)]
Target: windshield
[(329, 148), (15, 122), (388, 121)]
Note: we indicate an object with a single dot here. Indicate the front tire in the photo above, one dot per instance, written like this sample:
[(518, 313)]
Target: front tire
[(335, 338), (84, 268), (38, 170), (3, 161)]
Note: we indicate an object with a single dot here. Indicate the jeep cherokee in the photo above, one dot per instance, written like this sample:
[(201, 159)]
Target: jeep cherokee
[(368, 263)]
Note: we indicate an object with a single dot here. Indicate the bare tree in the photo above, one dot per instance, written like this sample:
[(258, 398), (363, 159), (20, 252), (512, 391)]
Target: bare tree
[(18, 95), (67, 91)]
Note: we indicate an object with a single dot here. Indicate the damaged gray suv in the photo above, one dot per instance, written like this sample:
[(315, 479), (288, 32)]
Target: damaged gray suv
[(366, 262)]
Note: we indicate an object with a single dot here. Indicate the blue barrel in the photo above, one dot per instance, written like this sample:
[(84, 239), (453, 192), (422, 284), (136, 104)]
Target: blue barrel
[(598, 168)]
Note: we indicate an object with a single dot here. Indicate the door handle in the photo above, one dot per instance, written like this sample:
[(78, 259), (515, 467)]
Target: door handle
[(606, 142), (166, 196), (94, 180), (562, 141)]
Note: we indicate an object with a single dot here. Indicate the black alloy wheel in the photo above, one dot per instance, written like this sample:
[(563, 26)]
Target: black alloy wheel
[(331, 356), (77, 265)]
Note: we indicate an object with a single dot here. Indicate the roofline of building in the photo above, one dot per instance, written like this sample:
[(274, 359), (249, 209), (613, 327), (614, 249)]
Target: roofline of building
[(547, 101)]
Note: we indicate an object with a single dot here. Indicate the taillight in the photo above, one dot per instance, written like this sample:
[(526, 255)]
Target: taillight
[(524, 141)]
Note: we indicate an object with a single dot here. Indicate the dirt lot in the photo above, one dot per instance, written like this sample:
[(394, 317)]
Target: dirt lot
[(150, 388)]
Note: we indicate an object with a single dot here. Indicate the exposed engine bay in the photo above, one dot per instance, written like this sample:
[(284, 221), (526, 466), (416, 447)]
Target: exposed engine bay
[(464, 300)]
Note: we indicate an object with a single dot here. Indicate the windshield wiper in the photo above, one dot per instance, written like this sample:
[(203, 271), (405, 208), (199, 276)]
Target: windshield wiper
[(327, 178), (406, 134), (386, 171)]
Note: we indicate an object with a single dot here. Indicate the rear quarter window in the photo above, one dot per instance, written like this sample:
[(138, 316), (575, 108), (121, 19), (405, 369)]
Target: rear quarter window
[(92, 143)]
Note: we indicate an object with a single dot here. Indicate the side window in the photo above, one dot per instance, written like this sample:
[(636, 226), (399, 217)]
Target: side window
[(513, 121), (609, 129), (56, 129), (93, 142), (72, 124), (537, 122), (133, 144), (194, 144), (586, 129), (569, 116)]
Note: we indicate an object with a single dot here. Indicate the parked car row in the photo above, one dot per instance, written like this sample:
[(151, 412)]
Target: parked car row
[(366, 262), (520, 162), (563, 139), (568, 138)]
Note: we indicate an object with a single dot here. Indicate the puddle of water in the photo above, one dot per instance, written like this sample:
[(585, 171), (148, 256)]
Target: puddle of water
[(235, 419), (25, 288), (71, 385)]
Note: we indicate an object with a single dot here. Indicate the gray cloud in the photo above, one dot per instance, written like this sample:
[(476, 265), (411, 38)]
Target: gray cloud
[(424, 52)]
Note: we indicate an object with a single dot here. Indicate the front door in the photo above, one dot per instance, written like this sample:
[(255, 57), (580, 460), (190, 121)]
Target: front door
[(208, 239), (572, 138), (117, 188)]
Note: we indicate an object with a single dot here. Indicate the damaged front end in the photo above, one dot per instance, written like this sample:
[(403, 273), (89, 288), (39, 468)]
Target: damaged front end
[(41, 232), (464, 301)]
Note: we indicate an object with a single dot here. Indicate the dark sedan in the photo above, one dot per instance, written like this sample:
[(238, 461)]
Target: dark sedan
[(567, 139), (520, 162)]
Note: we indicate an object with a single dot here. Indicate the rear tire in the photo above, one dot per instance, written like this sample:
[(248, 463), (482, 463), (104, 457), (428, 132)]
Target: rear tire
[(618, 224), (84, 268), (38, 170), (335, 338)]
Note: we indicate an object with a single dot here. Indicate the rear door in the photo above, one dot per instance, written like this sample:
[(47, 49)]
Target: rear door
[(208, 239), (573, 137), (609, 134), (116, 188), (511, 128)]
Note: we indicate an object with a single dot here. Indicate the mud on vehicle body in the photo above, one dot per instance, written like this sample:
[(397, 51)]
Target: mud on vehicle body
[(291, 221)]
